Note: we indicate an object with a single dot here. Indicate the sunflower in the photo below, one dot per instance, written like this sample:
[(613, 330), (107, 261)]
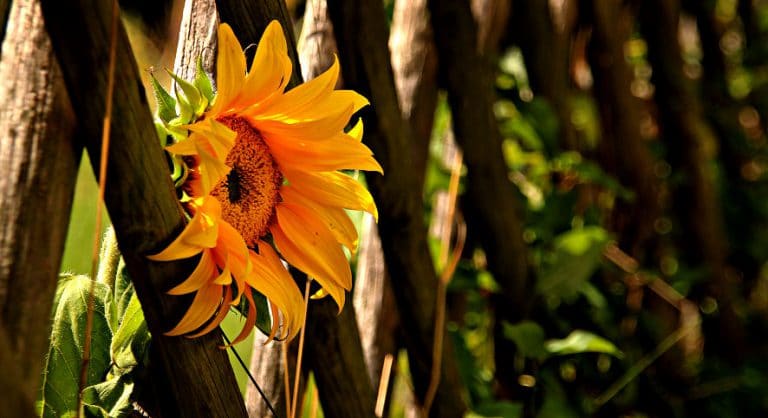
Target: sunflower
[(263, 169)]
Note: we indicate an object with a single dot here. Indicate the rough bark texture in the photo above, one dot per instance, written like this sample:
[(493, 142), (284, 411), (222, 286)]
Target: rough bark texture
[(39, 160), (492, 205), (374, 301), (622, 151), (691, 144), (142, 204), (414, 62), (267, 369), (317, 45), (367, 69), (197, 37), (335, 356)]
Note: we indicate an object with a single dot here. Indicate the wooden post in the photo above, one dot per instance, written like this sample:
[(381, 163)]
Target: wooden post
[(142, 204), (38, 168)]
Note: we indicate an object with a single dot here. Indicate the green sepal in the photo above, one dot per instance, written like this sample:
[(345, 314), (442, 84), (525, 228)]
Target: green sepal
[(194, 98), (202, 81), (166, 104), (180, 171), (186, 112), (162, 133)]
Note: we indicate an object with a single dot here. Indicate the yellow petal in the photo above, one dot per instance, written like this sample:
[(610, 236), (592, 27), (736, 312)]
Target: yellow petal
[(275, 323), (218, 137), (250, 320), (357, 130), (308, 129), (273, 281), (232, 252), (225, 278), (203, 273), (305, 95), (270, 70), (185, 147), (211, 170), (203, 306), (286, 246), (230, 70), (336, 219), (222, 312), (332, 189), (341, 152), (201, 232)]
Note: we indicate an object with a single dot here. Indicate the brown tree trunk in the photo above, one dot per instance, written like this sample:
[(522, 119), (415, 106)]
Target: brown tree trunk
[(622, 150), (491, 200), (333, 346), (142, 204), (39, 161), (401, 227), (414, 62), (545, 40), (267, 370)]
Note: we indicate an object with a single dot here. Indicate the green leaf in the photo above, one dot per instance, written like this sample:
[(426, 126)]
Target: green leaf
[(580, 341), (528, 336), (202, 81), (166, 104), (131, 339), (576, 256), (109, 399), (61, 376)]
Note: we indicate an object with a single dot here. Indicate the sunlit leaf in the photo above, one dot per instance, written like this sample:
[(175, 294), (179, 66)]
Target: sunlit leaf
[(61, 376), (109, 399), (580, 341), (131, 338)]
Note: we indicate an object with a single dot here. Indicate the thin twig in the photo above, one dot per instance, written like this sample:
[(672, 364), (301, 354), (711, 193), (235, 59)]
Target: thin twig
[(381, 398), (301, 351), (99, 207), (445, 277), (643, 364), (286, 377), (248, 372)]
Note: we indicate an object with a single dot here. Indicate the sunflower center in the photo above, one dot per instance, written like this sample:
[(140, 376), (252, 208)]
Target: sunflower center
[(250, 192)]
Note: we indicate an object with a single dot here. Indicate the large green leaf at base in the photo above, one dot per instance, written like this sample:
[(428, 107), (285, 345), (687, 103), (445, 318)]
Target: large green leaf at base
[(61, 377)]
